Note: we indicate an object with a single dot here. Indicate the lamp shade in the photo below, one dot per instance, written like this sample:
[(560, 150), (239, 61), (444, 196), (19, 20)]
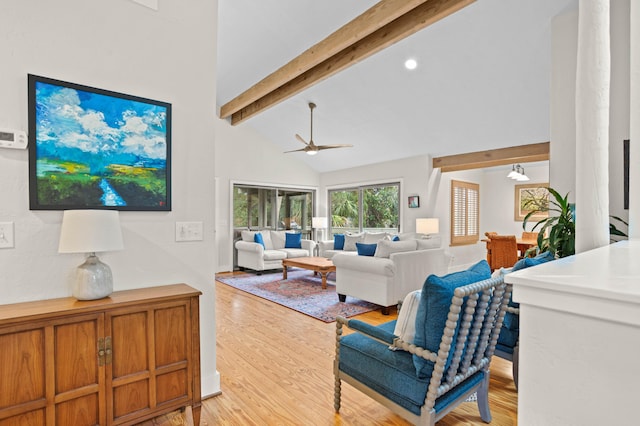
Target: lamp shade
[(429, 225), (319, 222), (90, 231)]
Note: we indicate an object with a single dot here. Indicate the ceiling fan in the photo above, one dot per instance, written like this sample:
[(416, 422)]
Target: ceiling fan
[(311, 148)]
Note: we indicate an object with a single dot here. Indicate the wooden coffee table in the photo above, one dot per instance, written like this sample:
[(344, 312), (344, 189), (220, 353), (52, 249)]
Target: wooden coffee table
[(319, 265)]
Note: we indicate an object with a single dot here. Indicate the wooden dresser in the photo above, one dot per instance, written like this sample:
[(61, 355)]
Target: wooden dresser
[(115, 361)]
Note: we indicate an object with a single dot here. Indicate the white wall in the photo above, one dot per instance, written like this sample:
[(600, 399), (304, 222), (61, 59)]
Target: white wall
[(412, 172), (497, 199), (168, 55), (243, 155), (563, 125)]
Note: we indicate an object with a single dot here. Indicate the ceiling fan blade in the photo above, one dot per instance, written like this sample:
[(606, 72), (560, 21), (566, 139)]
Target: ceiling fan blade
[(321, 147), (301, 140), (296, 150)]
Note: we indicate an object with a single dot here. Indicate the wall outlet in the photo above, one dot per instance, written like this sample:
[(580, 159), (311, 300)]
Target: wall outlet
[(6, 235), (189, 231)]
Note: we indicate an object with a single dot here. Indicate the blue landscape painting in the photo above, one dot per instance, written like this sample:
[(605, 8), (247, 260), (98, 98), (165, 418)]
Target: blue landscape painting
[(97, 149)]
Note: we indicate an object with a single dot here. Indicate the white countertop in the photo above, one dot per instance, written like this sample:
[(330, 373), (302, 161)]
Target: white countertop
[(603, 279)]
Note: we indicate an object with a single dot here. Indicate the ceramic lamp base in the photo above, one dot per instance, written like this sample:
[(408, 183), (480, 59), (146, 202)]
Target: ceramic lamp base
[(93, 280)]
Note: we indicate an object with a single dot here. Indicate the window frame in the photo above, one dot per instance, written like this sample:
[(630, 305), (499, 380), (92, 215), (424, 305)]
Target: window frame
[(467, 238), (360, 190)]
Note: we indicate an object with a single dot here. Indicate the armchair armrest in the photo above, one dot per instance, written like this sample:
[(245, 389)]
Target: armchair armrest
[(325, 245), (308, 245), (251, 247)]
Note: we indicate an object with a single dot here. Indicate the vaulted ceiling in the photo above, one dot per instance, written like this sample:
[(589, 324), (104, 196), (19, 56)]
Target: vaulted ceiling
[(482, 80)]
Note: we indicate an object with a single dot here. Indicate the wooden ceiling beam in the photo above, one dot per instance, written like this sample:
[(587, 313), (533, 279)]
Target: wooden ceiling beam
[(493, 157), (387, 22)]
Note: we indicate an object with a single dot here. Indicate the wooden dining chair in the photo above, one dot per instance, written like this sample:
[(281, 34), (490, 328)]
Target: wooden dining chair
[(529, 235), (502, 252)]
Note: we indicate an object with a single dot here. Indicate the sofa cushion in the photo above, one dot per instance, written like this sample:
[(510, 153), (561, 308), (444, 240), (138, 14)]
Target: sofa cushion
[(293, 240), (395, 238), (433, 310), (406, 323), (294, 252), (374, 237), (407, 236), (274, 255), (385, 248), (248, 236), (266, 237), (257, 238), (366, 249), (366, 264), (350, 241), (429, 243), (278, 239), (338, 242)]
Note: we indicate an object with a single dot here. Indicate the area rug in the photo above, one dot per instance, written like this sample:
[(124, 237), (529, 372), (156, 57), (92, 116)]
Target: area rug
[(301, 291)]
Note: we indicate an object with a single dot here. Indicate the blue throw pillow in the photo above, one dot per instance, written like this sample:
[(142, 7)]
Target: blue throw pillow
[(338, 242), (293, 240), (257, 237), (396, 238), (533, 261), (433, 310), (366, 249)]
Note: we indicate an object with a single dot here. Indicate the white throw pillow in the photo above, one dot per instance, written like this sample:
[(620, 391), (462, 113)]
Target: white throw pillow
[(351, 240), (278, 239), (406, 323), (248, 236), (429, 243), (266, 238), (371, 237), (385, 248)]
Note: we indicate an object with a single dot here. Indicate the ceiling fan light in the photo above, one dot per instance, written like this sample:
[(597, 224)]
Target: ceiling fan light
[(312, 152)]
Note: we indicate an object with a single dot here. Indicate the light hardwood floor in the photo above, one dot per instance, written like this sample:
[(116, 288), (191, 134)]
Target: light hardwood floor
[(276, 369)]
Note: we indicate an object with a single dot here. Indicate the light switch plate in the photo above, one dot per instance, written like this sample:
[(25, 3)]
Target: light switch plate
[(6, 235), (189, 231)]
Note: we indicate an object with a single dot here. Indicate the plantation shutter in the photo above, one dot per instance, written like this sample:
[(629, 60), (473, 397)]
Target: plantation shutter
[(465, 212)]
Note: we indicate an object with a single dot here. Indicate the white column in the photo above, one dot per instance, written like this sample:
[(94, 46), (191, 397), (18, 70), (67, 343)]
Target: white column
[(634, 123), (592, 125)]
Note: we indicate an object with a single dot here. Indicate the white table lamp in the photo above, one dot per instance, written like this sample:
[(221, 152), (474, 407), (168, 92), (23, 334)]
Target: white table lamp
[(91, 231), (318, 222), (427, 226)]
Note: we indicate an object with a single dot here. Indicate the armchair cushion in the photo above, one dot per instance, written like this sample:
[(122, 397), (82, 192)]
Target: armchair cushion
[(433, 310), (366, 249), (392, 373), (293, 240), (533, 261), (338, 242)]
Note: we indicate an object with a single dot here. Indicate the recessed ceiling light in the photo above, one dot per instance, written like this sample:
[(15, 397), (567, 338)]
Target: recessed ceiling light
[(410, 64)]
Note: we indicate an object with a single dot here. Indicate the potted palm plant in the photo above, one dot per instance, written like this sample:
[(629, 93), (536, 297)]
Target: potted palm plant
[(557, 233)]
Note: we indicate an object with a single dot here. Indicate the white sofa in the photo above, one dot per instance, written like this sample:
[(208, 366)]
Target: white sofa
[(326, 248), (387, 280), (254, 256)]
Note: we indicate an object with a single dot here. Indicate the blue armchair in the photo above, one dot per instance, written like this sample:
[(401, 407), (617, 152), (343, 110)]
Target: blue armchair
[(458, 321), (508, 340)]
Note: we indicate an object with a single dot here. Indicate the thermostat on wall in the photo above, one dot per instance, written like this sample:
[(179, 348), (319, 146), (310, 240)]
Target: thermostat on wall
[(11, 138)]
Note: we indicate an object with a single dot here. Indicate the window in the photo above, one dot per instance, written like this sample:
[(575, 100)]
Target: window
[(465, 212), (373, 208), (256, 207)]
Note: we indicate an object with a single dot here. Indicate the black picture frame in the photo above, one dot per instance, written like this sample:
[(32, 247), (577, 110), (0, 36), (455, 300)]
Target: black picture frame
[(414, 201), (626, 159), (92, 148)]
